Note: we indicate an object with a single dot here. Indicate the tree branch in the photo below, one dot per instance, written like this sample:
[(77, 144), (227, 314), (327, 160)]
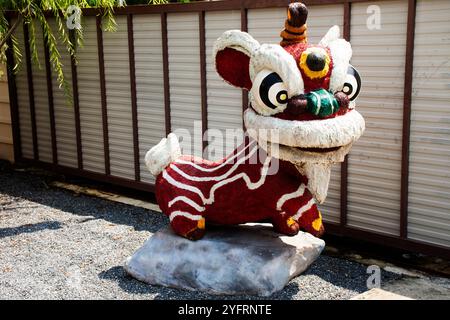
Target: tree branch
[(11, 30)]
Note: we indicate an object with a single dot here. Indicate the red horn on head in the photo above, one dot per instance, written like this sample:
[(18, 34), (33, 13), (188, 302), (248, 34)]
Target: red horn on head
[(295, 26)]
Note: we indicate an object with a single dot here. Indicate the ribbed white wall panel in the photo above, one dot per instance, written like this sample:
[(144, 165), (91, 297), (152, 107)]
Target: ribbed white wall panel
[(321, 19), (184, 78), (330, 209), (118, 98), (90, 100), (265, 25), (375, 160), (149, 85), (23, 101), (224, 100), (429, 179), (41, 101), (64, 112)]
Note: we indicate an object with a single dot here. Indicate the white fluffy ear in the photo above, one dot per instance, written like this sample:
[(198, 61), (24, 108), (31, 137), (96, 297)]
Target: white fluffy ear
[(237, 40), (341, 53), (333, 34), (231, 54)]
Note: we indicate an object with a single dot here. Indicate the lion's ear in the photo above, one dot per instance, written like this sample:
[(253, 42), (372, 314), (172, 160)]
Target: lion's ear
[(333, 34), (231, 54)]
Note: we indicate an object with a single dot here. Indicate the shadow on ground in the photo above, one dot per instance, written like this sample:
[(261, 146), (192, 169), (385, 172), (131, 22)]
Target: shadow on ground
[(29, 228), (34, 188)]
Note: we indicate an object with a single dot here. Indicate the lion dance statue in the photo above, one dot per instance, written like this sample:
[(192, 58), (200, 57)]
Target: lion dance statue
[(303, 94)]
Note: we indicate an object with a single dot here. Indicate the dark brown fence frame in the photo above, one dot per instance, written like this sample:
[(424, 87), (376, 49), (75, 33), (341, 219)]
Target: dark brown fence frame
[(341, 229), (26, 35)]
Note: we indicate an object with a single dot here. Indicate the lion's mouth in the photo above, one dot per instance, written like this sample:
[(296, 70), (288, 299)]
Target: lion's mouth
[(318, 150), (316, 136)]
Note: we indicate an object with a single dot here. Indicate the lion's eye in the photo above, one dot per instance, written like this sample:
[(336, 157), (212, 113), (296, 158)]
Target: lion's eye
[(352, 84), (315, 63), (269, 91)]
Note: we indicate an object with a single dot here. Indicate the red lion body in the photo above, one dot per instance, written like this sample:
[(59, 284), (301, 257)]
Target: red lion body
[(246, 186)]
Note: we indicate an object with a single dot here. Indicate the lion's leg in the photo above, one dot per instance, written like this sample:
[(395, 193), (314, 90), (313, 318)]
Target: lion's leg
[(285, 224), (187, 225)]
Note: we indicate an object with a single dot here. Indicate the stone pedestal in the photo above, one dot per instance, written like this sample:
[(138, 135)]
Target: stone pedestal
[(246, 259)]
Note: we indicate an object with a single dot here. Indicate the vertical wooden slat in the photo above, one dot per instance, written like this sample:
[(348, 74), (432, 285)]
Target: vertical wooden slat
[(407, 92), (201, 26), (343, 193), (51, 106), (76, 104), (244, 27), (344, 165), (101, 64), (14, 107), (31, 91), (137, 170), (347, 20), (165, 52)]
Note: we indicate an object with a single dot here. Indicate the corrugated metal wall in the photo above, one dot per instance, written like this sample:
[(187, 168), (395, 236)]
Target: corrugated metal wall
[(23, 102), (118, 100), (375, 161), (224, 101), (41, 100), (64, 113), (184, 75), (374, 166), (90, 100), (265, 24), (429, 179), (149, 85)]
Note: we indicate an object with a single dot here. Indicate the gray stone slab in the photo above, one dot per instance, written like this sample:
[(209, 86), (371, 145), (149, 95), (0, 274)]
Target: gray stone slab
[(247, 259), (379, 294)]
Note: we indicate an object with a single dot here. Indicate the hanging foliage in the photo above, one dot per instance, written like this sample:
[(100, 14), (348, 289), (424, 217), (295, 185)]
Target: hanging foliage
[(34, 13)]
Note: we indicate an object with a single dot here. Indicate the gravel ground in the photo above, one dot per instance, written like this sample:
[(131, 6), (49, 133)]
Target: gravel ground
[(57, 245)]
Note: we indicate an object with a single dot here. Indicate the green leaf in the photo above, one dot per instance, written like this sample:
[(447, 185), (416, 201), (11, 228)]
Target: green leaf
[(34, 11)]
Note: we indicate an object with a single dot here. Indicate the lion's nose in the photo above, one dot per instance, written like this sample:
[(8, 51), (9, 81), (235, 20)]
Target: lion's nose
[(316, 61), (297, 105)]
